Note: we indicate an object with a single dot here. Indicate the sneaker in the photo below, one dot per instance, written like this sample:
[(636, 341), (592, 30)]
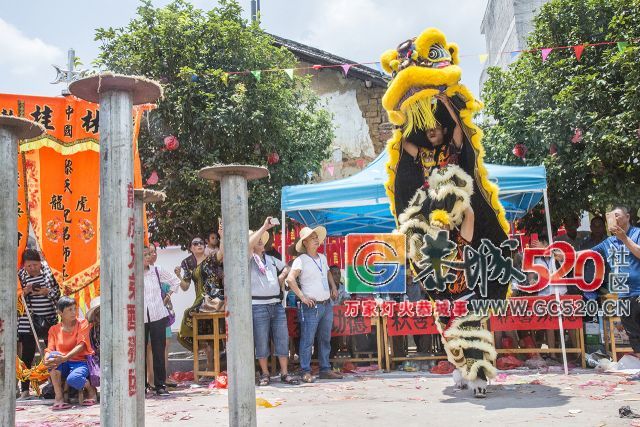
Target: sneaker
[(330, 375), (162, 392)]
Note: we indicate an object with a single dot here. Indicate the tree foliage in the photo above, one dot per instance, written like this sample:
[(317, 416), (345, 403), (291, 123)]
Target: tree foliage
[(234, 119), (586, 111)]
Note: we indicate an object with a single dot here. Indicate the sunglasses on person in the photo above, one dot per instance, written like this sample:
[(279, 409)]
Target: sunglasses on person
[(197, 243)]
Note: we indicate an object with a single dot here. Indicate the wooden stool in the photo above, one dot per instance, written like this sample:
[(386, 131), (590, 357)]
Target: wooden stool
[(609, 338), (216, 337)]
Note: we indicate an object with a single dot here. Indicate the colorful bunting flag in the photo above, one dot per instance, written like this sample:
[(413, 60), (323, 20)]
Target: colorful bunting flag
[(360, 163), (225, 78), (545, 53), (578, 51), (345, 68), (622, 46), (256, 74), (483, 58), (330, 168), (514, 55), (289, 72)]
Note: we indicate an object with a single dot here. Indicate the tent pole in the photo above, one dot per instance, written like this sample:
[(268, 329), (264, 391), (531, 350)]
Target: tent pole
[(552, 268), (283, 237)]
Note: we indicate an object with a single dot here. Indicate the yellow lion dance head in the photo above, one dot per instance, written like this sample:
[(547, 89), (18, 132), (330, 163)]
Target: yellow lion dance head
[(410, 102)]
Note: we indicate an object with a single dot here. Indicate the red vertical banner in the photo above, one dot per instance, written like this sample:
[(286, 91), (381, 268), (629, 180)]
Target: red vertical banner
[(60, 186), (23, 210)]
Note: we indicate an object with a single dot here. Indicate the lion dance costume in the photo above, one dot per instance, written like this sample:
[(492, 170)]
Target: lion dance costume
[(431, 191)]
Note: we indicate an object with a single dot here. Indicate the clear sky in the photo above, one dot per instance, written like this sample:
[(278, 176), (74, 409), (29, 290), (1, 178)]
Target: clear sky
[(35, 34)]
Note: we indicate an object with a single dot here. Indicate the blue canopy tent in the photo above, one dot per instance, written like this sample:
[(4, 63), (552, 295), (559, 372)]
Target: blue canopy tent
[(359, 204)]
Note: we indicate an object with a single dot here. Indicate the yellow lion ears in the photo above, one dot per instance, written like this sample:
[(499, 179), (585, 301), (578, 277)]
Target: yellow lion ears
[(389, 61), (429, 37)]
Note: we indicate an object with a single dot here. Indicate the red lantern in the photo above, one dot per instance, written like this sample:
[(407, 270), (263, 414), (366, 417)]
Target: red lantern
[(577, 136), (153, 178), (520, 151), (273, 158), (171, 143)]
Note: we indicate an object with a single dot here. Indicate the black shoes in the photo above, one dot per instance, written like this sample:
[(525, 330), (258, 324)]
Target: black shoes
[(162, 391)]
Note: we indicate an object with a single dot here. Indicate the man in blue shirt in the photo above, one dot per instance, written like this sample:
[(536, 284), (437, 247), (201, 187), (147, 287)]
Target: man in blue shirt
[(622, 253)]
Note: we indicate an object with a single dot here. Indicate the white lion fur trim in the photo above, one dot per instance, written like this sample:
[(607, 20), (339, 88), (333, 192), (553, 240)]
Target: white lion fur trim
[(408, 213), (441, 186), (485, 347), (472, 373), (437, 177), (482, 334)]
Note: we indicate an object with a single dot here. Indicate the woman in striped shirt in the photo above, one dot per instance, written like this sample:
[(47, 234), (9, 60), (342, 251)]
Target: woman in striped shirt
[(41, 293)]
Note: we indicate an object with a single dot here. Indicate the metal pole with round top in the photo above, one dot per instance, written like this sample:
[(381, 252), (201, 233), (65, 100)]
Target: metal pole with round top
[(235, 217), (122, 369), (12, 129), (141, 196)]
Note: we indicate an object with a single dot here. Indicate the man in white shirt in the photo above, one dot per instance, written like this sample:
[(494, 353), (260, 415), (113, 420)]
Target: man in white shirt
[(317, 289)]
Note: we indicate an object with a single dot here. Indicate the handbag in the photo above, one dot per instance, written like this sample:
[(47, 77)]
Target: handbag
[(168, 306), (211, 305), (42, 324)]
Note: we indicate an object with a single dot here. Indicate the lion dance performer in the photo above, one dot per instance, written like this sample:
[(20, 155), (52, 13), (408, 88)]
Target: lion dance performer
[(437, 181)]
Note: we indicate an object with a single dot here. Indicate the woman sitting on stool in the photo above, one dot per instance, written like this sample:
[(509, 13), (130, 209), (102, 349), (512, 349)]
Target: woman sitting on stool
[(66, 354)]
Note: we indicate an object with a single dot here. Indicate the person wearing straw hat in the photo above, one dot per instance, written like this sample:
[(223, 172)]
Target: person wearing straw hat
[(316, 291), (269, 318)]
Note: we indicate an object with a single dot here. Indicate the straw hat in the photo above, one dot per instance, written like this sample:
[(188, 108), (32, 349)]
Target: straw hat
[(264, 238), (306, 232), (94, 308)]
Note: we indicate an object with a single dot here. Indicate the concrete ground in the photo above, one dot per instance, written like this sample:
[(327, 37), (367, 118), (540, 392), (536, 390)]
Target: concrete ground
[(517, 397)]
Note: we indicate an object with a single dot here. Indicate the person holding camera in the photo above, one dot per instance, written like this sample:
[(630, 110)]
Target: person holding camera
[(41, 293), (269, 317)]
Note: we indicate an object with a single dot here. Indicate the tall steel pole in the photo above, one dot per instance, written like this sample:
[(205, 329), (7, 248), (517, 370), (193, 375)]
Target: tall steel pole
[(11, 130), (120, 362), (141, 197), (235, 217)]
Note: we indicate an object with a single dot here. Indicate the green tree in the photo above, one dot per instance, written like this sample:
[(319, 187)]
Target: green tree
[(218, 118), (547, 105)]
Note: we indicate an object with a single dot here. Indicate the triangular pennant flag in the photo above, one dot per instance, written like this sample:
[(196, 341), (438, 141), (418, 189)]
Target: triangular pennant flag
[(289, 72), (578, 51), (545, 53), (622, 46), (378, 66), (330, 169), (360, 163), (225, 78), (483, 57), (345, 68), (514, 55), (256, 74)]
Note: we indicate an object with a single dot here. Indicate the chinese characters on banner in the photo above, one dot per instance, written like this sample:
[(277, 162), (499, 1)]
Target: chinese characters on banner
[(62, 175), (343, 325), (527, 323)]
